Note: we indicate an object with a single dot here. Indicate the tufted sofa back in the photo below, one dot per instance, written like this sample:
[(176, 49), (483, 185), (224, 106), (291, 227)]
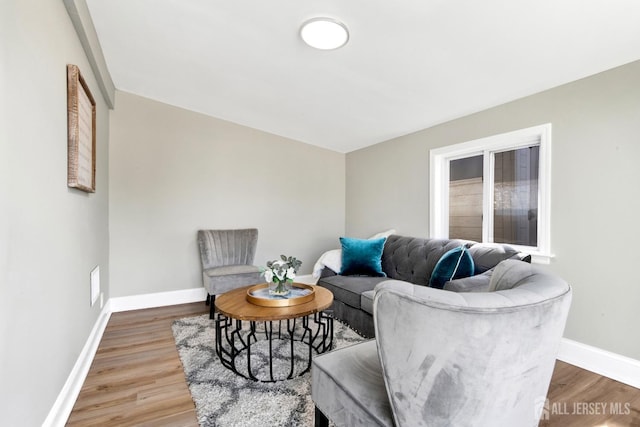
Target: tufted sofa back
[(413, 259)]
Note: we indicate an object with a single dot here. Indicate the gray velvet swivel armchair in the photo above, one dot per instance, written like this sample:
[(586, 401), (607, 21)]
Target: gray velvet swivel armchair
[(227, 258), (450, 359)]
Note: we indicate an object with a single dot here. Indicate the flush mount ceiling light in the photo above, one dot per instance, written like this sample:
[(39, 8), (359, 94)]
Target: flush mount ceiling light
[(324, 33)]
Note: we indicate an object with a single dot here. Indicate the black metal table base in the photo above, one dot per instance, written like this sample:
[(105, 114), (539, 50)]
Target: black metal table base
[(295, 339)]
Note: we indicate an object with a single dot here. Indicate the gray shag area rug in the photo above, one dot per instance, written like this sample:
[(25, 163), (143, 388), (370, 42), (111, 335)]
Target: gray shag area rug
[(225, 399)]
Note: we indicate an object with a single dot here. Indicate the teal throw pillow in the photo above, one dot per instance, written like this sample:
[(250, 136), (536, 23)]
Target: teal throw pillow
[(454, 264), (362, 257)]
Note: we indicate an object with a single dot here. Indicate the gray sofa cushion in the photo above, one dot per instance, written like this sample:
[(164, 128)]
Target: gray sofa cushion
[(349, 288), (510, 274), (488, 255), (477, 283), (338, 376), (413, 259), (366, 301)]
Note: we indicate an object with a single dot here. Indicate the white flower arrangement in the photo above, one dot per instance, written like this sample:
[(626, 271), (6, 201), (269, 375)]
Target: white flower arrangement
[(280, 272)]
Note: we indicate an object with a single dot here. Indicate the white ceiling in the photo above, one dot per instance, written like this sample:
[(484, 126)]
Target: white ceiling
[(409, 64)]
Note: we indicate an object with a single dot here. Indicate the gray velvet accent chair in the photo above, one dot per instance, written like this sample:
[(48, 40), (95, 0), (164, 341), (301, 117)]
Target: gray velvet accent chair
[(444, 358), (226, 257)]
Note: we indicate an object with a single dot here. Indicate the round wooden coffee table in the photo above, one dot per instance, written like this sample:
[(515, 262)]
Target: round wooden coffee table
[(273, 335)]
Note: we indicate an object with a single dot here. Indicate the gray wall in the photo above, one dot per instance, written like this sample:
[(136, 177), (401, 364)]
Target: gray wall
[(595, 202), (51, 236), (173, 172)]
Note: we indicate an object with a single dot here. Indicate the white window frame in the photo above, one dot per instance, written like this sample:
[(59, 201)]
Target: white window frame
[(439, 159)]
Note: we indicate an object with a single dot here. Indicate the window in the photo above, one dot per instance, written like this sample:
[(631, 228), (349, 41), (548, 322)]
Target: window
[(494, 190)]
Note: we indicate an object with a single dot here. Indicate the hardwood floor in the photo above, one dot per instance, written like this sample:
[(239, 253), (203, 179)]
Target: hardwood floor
[(579, 398), (136, 379)]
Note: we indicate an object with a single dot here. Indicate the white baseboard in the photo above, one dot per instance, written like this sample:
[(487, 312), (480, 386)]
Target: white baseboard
[(63, 405), (602, 362), (161, 299)]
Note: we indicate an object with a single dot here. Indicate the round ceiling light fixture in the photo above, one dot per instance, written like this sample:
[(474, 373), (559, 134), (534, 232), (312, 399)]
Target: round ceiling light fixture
[(324, 33)]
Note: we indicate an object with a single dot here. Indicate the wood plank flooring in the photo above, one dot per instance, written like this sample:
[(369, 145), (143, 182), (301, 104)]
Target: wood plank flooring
[(579, 398), (136, 379)]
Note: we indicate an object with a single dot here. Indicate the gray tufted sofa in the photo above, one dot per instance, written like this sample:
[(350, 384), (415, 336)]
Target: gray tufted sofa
[(449, 359), (410, 259)]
